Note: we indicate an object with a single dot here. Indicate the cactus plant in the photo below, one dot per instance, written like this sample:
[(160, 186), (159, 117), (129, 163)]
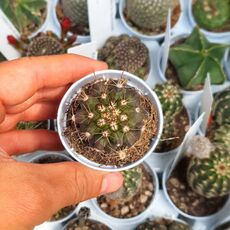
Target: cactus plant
[(175, 116), (131, 185), (222, 136), (43, 44), (26, 15), (211, 14), (195, 58), (162, 224), (113, 119), (149, 14), (29, 125), (210, 176), (126, 53), (221, 107), (170, 98)]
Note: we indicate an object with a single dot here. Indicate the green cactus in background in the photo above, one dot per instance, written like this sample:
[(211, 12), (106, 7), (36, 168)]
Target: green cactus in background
[(170, 98), (126, 53), (211, 14), (210, 176), (24, 13), (195, 58), (76, 11), (221, 107), (110, 117), (222, 136), (29, 125), (162, 224), (148, 14)]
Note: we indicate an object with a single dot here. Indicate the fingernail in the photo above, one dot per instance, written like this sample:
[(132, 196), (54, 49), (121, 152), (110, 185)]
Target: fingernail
[(111, 182)]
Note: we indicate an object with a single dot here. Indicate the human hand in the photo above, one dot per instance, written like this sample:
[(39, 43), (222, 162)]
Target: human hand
[(30, 90)]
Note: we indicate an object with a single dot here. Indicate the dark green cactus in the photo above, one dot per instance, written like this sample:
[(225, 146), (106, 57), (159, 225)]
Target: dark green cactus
[(76, 11), (162, 224), (111, 118), (211, 14), (148, 14), (222, 136), (195, 58), (24, 13), (221, 107), (170, 98), (210, 176), (126, 53)]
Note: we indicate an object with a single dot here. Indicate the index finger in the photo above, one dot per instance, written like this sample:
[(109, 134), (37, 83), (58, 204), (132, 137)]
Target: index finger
[(21, 78)]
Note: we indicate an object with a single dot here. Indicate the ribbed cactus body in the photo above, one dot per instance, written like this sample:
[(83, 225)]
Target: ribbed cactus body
[(23, 13), (76, 11), (193, 58), (211, 14), (221, 107), (126, 53), (210, 177), (222, 136), (44, 44), (148, 14), (170, 98)]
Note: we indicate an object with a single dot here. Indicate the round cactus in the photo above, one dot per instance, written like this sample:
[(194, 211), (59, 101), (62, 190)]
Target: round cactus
[(221, 107), (211, 14), (148, 14), (126, 53), (113, 119), (76, 11), (192, 60), (24, 14), (170, 98), (210, 176), (222, 136), (44, 45)]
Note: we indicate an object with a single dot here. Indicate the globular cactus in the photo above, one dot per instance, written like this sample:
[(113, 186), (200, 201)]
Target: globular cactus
[(148, 14), (170, 98), (162, 224), (76, 11), (131, 185), (126, 53), (45, 44), (221, 107), (222, 136), (24, 14), (111, 118), (210, 176), (192, 60), (211, 14)]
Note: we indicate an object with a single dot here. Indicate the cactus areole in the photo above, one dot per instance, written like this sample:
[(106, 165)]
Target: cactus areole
[(110, 122)]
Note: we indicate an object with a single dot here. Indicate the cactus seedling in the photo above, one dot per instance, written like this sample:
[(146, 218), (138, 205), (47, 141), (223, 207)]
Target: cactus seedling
[(110, 122), (221, 107), (210, 176), (43, 44), (211, 14), (26, 15), (195, 58), (77, 12), (126, 53)]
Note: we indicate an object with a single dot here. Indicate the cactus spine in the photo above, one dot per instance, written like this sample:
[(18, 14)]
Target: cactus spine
[(191, 75), (211, 14)]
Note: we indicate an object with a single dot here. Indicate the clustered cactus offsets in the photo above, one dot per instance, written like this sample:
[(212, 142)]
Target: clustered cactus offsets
[(176, 120), (195, 58), (42, 44), (150, 16), (110, 122), (162, 224), (126, 53), (77, 12), (26, 15), (213, 15)]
